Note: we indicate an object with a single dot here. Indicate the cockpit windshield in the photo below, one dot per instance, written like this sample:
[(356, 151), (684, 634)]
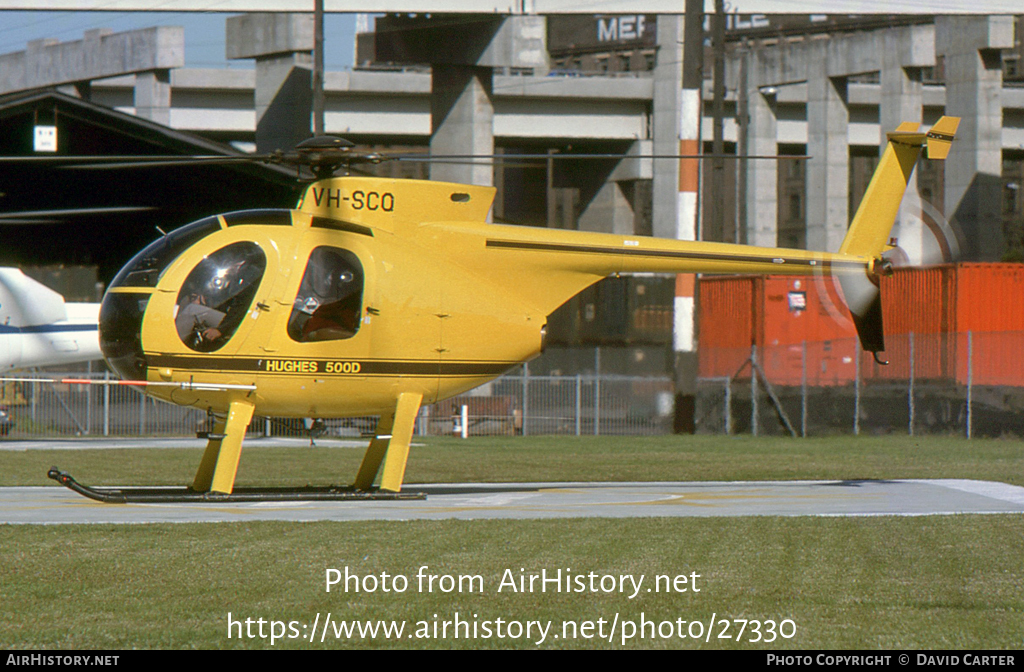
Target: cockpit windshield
[(146, 267)]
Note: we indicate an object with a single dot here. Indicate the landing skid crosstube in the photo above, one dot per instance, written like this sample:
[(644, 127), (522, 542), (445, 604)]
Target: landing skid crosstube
[(154, 495)]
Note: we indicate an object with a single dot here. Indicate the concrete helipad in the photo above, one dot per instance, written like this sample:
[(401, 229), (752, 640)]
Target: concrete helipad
[(57, 505)]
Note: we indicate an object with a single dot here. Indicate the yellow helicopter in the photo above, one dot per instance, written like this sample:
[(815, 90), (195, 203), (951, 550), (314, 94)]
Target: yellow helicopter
[(374, 296)]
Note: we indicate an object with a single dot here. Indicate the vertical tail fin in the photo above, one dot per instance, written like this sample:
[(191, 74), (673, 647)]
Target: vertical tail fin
[(873, 222)]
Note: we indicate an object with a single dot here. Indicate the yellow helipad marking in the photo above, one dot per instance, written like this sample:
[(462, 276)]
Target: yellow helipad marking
[(701, 498)]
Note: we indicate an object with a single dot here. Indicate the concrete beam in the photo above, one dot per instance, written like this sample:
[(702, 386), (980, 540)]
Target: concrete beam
[(485, 40), (256, 35), (48, 63), (845, 55)]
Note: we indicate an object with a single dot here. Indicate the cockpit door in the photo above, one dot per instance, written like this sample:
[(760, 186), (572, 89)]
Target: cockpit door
[(209, 300)]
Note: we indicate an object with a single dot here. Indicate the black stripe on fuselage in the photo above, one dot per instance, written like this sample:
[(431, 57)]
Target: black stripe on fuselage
[(668, 254), (341, 367)]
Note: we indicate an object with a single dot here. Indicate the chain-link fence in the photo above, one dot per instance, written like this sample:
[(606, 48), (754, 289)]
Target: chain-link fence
[(971, 384), (515, 404)]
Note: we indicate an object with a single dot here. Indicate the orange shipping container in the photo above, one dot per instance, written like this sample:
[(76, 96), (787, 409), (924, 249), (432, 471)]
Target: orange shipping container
[(778, 314), (938, 304)]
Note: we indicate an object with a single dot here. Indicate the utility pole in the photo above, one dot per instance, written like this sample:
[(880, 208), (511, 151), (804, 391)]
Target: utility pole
[(718, 112), (688, 214), (318, 67)]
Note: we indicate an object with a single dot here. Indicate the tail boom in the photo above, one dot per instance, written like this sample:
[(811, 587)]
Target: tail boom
[(546, 267)]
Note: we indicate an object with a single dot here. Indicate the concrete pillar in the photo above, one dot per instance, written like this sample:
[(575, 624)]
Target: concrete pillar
[(760, 175), (901, 88), (462, 122), (153, 96), (462, 55), (902, 100), (609, 211), (974, 78), (665, 126), (281, 44), (828, 121), (284, 101)]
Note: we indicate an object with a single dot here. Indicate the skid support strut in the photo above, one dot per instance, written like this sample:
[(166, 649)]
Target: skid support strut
[(215, 480), (390, 445), (224, 449)]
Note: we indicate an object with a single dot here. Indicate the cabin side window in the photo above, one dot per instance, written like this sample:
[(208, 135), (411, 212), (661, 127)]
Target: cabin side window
[(216, 295), (328, 306)]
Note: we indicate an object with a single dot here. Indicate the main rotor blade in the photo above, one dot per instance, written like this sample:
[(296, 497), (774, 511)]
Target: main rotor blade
[(48, 216), (161, 162), (105, 158), (544, 157)]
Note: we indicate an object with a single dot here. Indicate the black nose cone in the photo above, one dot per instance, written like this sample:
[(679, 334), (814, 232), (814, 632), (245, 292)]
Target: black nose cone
[(121, 333)]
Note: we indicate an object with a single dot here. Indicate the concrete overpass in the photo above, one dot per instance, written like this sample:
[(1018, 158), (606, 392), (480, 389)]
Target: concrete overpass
[(516, 7)]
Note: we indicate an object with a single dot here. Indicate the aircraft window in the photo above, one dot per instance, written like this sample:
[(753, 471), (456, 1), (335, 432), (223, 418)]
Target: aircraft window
[(329, 304), (146, 267), (216, 295)]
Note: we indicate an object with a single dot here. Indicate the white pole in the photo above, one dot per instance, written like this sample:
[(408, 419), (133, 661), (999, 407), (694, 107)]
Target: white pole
[(970, 382), (754, 416), (803, 392), (856, 391), (597, 391), (526, 396), (106, 405), (579, 402), (910, 392)]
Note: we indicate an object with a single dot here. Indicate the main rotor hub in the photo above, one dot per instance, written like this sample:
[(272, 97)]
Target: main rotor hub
[(324, 154)]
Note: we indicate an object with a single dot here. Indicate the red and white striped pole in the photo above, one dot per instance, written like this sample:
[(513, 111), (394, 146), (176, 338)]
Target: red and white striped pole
[(686, 222), (690, 109)]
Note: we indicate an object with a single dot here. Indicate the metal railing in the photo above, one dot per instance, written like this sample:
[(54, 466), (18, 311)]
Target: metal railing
[(970, 383)]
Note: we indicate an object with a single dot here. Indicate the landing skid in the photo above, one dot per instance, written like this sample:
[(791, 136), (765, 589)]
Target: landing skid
[(153, 495)]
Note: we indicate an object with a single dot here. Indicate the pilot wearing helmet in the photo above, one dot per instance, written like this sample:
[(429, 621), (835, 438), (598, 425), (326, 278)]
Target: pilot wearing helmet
[(329, 300), (216, 296)]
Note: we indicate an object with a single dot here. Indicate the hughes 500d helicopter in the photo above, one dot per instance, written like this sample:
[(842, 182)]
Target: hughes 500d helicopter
[(374, 296)]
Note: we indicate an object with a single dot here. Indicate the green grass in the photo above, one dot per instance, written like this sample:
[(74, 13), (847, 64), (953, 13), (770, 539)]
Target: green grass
[(875, 583), (504, 459), (940, 582)]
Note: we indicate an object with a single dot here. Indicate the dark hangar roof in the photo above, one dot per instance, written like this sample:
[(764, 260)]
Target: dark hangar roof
[(41, 206)]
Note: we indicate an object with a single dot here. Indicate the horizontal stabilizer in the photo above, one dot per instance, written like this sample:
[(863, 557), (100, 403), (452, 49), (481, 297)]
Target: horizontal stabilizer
[(940, 137)]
